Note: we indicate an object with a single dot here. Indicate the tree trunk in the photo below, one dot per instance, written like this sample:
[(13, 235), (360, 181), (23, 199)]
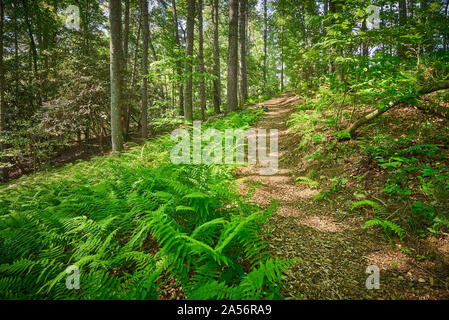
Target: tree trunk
[(282, 58), (136, 54), (446, 34), (265, 37), (232, 100), (365, 45), (2, 75), (201, 59), (125, 101), (3, 171), (217, 75), (126, 35), (242, 34), (33, 50), (178, 62), (376, 113), (188, 108), (115, 13), (145, 37)]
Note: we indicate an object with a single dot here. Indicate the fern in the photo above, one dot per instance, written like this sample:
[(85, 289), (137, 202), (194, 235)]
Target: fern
[(386, 226), (131, 227), (378, 208)]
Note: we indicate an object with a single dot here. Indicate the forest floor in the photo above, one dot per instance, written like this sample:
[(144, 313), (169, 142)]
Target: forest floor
[(333, 248)]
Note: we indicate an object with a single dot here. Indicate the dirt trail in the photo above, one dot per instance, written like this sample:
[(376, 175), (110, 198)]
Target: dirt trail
[(334, 249)]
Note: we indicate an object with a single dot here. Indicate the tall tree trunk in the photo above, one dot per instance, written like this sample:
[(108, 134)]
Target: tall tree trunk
[(265, 38), (242, 35), (3, 170), (178, 62), (188, 108), (126, 35), (145, 36), (282, 58), (446, 34), (201, 59), (136, 53), (217, 75), (33, 48), (2, 77), (125, 101), (115, 20), (233, 62), (365, 45)]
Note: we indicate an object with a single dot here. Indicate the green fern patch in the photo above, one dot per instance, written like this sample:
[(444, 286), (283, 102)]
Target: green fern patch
[(133, 227)]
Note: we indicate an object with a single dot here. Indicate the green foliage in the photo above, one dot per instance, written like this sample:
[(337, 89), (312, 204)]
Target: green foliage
[(381, 219), (336, 186), (307, 181), (379, 209), (387, 226), (418, 170), (135, 225)]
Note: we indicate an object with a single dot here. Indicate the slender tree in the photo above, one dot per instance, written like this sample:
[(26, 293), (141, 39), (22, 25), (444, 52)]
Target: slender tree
[(115, 21), (201, 59), (233, 62), (125, 101), (145, 36), (243, 7), (265, 39), (178, 61), (188, 108), (217, 73), (2, 84), (126, 34)]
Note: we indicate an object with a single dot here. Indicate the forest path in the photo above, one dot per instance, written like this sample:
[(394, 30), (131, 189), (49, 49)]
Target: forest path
[(332, 245)]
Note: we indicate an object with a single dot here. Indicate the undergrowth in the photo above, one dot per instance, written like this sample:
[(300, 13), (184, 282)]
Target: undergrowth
[(407, 156), (136, 225)]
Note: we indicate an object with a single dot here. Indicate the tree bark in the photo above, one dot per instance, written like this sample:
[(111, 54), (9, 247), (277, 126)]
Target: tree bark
[(282, 58), (232, 100), (33, 50), (178, 62), (201, 59), (115, 13), (188, 95), (446, 35), (125, 102), (136, 54), (2, 85), (265, 38), (217, 75), (242, 37), (126, 35), (145, 37), (376, 113)]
